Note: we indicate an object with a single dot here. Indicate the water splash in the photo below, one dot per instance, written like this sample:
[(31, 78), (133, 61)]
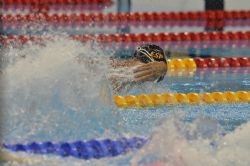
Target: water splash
[(201, 142), (178, 143), (58, 91), (53, 88)]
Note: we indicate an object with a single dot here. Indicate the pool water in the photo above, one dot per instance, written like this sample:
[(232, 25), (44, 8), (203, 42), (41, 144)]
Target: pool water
[(64, 101), (52, 92)]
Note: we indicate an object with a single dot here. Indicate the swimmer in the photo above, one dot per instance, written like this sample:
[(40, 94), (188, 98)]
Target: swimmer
[(149, 63)]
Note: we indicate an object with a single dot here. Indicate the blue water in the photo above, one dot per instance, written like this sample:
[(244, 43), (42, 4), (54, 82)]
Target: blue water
[(59, 120), (48, 99), (203, 80), (51, 97)]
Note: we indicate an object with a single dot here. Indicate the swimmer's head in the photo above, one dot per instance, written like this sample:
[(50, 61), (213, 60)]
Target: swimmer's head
[(149, 53)]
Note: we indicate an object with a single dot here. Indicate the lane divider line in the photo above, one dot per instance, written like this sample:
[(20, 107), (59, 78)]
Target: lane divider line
[(154, 100)]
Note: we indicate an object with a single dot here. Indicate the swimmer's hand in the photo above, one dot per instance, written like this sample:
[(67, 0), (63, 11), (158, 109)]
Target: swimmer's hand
[(149, 71), (117, 85)]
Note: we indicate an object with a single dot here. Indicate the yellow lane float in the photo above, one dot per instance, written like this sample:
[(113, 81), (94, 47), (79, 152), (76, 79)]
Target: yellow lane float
[(177, 63), (153, 100)]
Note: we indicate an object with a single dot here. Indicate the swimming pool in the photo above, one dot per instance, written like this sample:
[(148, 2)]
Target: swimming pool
[(48, 96)]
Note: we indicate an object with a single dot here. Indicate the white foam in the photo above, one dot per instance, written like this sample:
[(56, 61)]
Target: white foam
[(37, 77), (70, 69), (172, 148)]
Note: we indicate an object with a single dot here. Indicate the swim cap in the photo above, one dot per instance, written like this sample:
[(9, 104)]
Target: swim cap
[(150, 53)]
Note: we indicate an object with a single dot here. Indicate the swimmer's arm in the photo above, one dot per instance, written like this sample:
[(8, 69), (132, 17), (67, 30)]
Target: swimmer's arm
[(117, 84), (123, 63), (150, 71), (144, 72)]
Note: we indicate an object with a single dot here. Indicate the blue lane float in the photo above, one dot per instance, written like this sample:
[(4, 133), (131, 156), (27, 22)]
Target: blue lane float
[(92, 149)]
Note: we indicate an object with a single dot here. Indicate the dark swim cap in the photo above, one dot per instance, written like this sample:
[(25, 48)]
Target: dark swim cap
[(149, 53)]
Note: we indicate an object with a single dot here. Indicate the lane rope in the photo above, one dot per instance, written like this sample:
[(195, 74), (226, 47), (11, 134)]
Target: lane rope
[(54, 2), (188, 37), (211, 19), (86, 150), (20, 9), (153, 100), (134, 16), (204, 72), (217, 62)]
